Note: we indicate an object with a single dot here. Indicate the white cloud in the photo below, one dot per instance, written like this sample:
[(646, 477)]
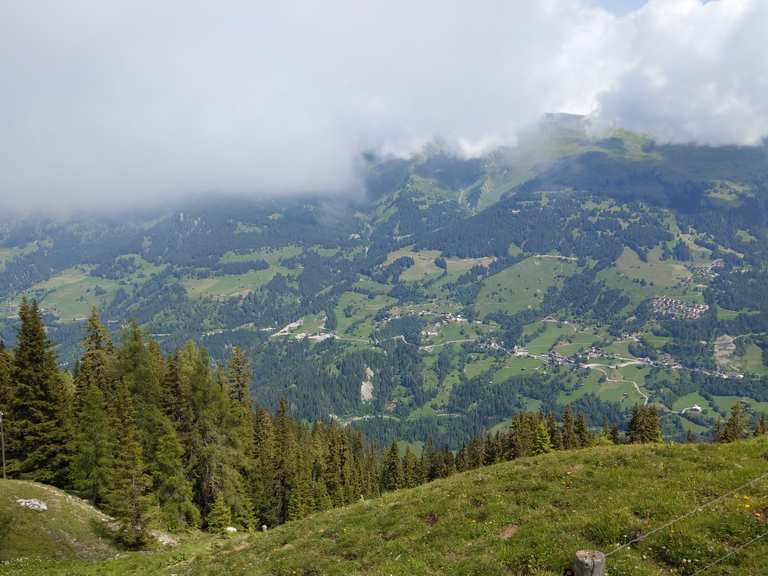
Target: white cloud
[(110, 103)]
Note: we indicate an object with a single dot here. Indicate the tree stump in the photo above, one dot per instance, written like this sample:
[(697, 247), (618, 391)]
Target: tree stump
[(589, 563)]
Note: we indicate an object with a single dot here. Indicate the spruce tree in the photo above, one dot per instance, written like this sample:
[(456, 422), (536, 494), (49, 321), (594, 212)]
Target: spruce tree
[(570, 438), (410, 469), (91, 467), (644, 425), (220, 516), (130, 501), (97, 364), (543, 442), (583, 434), (170, 483), (263, 483), (392, 471), (736, 428), (39, 424)]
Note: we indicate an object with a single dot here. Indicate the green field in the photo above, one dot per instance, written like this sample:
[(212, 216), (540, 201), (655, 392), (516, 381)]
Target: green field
[(423, 264), (689, 400), (231, 285), (515, 367), (355, 312), (274, 256), (72, 294), (522, 285), (752, 361)]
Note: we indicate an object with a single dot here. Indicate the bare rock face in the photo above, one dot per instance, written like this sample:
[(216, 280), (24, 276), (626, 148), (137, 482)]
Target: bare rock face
[(32, 504)]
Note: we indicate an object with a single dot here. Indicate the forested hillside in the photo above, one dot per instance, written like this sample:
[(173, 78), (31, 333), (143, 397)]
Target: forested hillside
[(451, 293), (177, 442)]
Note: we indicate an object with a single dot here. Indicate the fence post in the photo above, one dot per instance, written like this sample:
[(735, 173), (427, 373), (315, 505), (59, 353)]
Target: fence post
[(589, 563)]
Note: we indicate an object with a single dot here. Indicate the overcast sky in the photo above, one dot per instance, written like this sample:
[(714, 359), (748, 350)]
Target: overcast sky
[(128, 101)]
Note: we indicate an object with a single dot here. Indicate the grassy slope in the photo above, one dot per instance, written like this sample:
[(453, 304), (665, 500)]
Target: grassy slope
[(526, 517), (69, 529)]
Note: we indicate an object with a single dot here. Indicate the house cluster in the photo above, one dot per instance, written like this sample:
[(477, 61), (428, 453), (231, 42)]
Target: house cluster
[(591, 353), (708, 271), (675, 308)]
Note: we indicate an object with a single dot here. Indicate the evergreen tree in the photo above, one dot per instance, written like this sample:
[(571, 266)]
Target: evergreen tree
[(737, 426), (392, 471), (96, 366), (264, 484), (39, 425), (644, 425), (543, 443), (220, 516), (583, 435), (130, 500), (411, 477), (570, 439), (170, 483), (555, 434), (91, 467)]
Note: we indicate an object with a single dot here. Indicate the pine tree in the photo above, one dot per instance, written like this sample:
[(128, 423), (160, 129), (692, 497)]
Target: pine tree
[(570, 439), (644, 425), (736, 428), (322, 500), (220, 516), (286, 461), (96, 366), (170, 483), (239, 376), (543, 443), (555, 434), (91, 467), (263, 483), (130, 501), (39, 424), (410, 469), (583, 434), (392, 471)]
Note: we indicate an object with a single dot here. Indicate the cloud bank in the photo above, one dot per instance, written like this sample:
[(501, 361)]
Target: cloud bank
[(126, 102)]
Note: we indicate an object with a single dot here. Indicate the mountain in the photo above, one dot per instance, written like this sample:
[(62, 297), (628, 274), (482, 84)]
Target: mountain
[(523, 517), (569, 269)]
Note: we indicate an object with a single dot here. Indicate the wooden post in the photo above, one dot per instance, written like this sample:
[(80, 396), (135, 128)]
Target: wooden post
[(589, 563)]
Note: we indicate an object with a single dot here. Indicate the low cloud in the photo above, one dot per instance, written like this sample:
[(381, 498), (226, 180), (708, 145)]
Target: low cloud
[(111, 104)]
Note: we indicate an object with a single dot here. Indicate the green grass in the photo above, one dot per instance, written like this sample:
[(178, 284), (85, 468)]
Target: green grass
[(355, 312), (724, 403), (423, 264), (526, 517), (752, 361), (516, 366), (521, 286), (274, 256), (546, 340), (689, 400), (477, 365), (70, 528), (71, 294)]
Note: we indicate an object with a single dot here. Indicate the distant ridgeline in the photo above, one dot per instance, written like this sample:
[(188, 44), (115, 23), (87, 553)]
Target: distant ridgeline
[(454, 294), (178, 442)]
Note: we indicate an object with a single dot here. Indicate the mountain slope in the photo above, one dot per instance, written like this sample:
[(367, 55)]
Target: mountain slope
[(520, 518), (69, 529), (455, 292)]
